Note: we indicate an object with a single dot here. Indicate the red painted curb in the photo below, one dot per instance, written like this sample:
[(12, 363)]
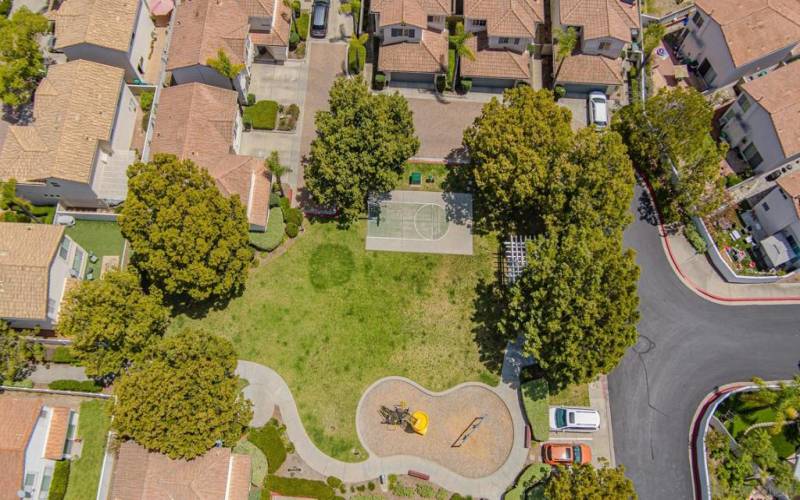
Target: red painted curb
[(686, 279)]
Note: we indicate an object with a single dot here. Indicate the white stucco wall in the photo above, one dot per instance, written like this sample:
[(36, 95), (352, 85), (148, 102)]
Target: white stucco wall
[(781, 211), (756, 126), (140, 45), (514, 43), (60, 270), (237, 133), (388, 38), (125, 120), (472, 28), (613, 50)]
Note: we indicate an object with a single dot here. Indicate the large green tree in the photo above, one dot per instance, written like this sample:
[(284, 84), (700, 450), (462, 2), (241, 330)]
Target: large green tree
[(17, 355), (188, 239), (183, 398), (585, 482), (673, 128), (575, 303), (529, 170), (21, 62), (111, 321), (360, 148)]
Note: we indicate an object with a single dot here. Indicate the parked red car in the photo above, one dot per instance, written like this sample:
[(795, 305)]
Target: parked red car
[(566, 453)]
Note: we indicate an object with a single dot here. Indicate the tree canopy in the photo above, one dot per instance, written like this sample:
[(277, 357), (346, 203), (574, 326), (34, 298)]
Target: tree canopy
[(17, 355), (111, 321), (529, 170), (360, 148), (21, 62), (785, 400), (675, 124), (183, 398), (224, 66), (188, 239), (576, 303), (585, 482)]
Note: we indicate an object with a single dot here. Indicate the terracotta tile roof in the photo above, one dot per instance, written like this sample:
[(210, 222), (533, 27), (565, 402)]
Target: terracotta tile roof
[(196, 121), (426, 56), (57, 433), (202, 27), (105, 23), (239, 478), (17, 420), (408, 12), (584, 68), (755, 28), (258, 8), (26, 251), (74, 107), (281, 27), (600, 18), (515, 18), (778, 93), (494, 63), (142, 475), (790, 184)]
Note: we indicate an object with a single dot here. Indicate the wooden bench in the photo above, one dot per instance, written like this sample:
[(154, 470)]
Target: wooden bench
[(419, 475)]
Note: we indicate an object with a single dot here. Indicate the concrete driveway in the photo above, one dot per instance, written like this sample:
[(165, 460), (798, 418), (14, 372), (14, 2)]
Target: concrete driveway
[(580, 114), (440, 125)]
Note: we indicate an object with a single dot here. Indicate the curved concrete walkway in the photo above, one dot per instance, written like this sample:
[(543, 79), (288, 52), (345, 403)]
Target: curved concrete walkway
[(267, 389)]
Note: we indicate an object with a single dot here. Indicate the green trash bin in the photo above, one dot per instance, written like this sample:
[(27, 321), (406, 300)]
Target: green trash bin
[(415, 179)]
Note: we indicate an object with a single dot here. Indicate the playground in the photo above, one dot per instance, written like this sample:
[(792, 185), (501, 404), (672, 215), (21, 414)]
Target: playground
[(418, 221), (467, 429)]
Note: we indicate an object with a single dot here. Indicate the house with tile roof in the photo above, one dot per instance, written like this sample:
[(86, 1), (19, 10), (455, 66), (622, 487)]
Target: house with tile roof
[(414, 43), (112, 32), (143, 475), (33, 436), (77, 149), (503, 30), (732, 39), (778, 223), (247, 31), (203, 123), (605, 29), (762, 124), (37, 264)]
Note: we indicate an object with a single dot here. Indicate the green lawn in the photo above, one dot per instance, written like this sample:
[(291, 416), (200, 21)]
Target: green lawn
[(102, 238), (437, 170), (332, 318), (574, 395), (785, 442), (537, 404), (84, 474)]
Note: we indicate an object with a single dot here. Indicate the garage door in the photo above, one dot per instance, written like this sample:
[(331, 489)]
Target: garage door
[(412, 79), (500, 83)]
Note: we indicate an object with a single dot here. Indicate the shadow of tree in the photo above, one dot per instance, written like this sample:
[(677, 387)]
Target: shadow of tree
[(489, 305)]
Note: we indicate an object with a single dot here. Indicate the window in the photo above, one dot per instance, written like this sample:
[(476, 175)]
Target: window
[(516, 41), (406, 32), (502, 40), (30, 478), (77, 262), (434, 19), (752, 156), (707, 71), (744, 102), (697, 19), (55, 184), (63, 249), (479, 22), (728, 116), (766, 207), (605, 45)]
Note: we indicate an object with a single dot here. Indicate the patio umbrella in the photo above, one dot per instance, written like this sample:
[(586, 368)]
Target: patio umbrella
[(161, 7)]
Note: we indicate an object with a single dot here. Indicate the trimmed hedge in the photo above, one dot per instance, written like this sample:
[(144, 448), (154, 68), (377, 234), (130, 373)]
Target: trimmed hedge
[(58, 485), (697, 241), (25, 384), (270, 239), (294, 216), (75, 385), (295, 487), (63, 355), (274, 199), (146, 100), (268, 440), (292, 230), (262, 115), (302, 25)]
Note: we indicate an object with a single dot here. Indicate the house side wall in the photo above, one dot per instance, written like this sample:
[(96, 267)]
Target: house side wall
[(142, 41), (70, 193), (260, 23), (514, 43), (201, 74), (237, 133), (102, 55), (756, 127), (125, 120), (386, 34), (593, 46), (59, 272), (781, 212)]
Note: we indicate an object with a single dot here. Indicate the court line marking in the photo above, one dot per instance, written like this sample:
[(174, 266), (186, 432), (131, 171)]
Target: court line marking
[(416, 229)]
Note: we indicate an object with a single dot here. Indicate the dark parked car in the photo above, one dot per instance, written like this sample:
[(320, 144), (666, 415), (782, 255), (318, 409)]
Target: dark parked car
[(319, 18)]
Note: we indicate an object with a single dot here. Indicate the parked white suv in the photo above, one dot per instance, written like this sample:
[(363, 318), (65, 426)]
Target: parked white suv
[(598, 109), (573, 419)]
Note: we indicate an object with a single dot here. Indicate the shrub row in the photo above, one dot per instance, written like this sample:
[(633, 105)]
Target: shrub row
[(302, 25), (268, 440), (295, 487), (270, 239), (58, 485), (697, 241), (25, 384), (75, 385)]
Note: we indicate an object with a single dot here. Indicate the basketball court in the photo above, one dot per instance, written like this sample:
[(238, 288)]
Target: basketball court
[(421, 221)]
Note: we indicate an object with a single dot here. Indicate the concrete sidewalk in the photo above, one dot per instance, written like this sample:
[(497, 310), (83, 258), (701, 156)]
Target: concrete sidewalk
[(697, 272)]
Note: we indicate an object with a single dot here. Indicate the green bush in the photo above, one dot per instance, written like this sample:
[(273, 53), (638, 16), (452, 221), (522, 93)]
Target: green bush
[(441, 83), (532, 475), (270, 239), (251, 99), (262, 115), (451, 68), (295, 487), (63, 355), (334, 482), (361, 488), (371, 486), (75, 385), (274, 199), (302, 25), (285, 204), (535, 399), (425, 490), (268, 440), (5, 8), (697, 241), (294, 39), (466, 84), (58, 485), (442, 494), (292, 230), (559, 91), (146, 100), (293, 110), (25, 384), (456, 496), (380, 81), (732, 180), (294, 216)]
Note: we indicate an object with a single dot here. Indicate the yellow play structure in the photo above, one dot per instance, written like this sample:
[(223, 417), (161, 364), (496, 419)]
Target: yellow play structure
[(401, 415)]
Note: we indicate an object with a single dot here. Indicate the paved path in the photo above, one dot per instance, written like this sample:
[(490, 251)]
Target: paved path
[(688, 345), (43, 375), (268, 389)]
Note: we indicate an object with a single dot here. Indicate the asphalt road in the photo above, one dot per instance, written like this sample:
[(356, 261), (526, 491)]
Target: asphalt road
[(687, 346)]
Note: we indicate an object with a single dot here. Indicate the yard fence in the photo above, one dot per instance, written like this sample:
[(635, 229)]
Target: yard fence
[(97, 395), (669, 18)]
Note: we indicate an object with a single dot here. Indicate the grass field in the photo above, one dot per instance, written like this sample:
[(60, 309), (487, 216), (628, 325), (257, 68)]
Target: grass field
[(84, 474), (437, 170), (785, 442), (332, 318), (574, 395), (102, 238)]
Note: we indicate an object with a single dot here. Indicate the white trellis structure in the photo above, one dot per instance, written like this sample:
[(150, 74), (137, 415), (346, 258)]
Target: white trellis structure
[(516, 257)]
